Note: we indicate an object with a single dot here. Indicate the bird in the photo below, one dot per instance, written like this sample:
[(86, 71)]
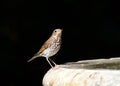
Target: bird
[(50, 47)]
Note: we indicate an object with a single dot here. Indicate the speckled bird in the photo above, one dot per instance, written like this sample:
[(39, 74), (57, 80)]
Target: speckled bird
[(50, 47)]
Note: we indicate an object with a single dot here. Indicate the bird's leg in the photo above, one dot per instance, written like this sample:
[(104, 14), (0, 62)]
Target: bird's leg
[(49, 62), (52, 61)]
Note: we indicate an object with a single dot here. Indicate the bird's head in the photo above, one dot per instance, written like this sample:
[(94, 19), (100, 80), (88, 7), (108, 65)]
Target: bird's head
[(57, 33)]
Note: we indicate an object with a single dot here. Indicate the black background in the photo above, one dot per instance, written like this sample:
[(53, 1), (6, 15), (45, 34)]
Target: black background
[(91, 30)]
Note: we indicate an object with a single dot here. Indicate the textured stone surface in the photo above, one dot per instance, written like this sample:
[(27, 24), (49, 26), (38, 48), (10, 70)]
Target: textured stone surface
[(99, 72)]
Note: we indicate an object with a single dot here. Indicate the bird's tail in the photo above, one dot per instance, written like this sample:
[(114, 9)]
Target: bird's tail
[(34, 57)]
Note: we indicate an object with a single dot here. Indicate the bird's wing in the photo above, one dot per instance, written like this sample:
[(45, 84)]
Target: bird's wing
[(47, 44)]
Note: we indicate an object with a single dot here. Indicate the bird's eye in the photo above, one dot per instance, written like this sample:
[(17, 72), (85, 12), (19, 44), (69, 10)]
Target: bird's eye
[(55, 31)]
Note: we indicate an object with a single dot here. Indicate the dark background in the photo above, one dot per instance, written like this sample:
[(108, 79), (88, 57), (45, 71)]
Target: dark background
[(91, 30)]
